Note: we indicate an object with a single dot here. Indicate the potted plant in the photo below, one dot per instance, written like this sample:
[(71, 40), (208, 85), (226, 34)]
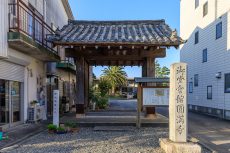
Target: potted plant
[(52, 128), (61, 130), (71, 127)]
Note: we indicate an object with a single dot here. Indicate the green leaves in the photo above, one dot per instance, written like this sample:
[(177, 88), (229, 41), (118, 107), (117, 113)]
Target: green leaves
[(104, 86), (115, 75), (161, 72)]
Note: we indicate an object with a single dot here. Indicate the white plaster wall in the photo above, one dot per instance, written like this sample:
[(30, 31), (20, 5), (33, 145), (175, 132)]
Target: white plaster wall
[(192, 20), (55, 13)]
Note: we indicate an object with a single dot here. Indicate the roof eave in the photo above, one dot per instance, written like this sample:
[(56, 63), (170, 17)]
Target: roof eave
[(173, 44)]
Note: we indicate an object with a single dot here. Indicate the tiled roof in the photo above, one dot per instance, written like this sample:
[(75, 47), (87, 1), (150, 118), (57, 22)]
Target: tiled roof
[(149, 32)]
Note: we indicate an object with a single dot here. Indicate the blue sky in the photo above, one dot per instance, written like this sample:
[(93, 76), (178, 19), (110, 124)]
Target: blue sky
[(131, 10)]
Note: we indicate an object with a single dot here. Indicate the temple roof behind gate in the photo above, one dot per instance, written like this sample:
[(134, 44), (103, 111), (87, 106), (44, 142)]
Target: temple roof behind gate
[(147, 33)]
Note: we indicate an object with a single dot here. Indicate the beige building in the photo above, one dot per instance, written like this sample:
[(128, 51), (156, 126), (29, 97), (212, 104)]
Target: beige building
[(25, 57)]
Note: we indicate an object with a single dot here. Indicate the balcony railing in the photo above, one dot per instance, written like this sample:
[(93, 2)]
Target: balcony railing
[(25, 20), (68, 63)]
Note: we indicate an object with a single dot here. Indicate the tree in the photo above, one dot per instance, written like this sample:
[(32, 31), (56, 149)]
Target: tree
[(115, 75), (165, 72), (161, 72), (157, 69), (104, 86), (94, 76)]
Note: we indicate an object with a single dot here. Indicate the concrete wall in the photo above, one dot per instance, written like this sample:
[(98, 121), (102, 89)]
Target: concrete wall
[(192, 20)]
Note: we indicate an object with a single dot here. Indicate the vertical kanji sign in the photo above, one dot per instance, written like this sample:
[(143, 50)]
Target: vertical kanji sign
[(178, 103), (56, 107)]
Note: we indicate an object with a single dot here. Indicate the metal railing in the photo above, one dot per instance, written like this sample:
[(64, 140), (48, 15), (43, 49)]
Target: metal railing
[(26, 20), (68, 61)]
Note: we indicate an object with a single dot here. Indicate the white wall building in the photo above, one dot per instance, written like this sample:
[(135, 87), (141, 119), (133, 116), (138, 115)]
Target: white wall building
[(205, 24), (24, 54)]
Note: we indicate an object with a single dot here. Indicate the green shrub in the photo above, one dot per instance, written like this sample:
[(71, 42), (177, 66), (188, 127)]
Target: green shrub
[(102, 102), (52, 127), (60, 129), (104, 87), (71, 125)]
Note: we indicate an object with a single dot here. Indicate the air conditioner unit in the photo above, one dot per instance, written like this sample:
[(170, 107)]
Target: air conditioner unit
[(34, 113)]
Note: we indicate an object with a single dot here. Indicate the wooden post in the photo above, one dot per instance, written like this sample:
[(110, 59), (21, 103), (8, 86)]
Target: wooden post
[(150, 67), (80, 86), (86, 70), (139, 105), (150, 71)]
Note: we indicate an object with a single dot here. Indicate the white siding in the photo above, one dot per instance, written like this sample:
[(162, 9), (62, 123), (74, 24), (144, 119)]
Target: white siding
[(3, 28), (192, 20), (55, 13)]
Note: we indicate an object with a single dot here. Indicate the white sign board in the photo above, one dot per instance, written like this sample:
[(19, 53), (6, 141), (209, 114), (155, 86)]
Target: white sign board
[(56, 107), (155, 96)]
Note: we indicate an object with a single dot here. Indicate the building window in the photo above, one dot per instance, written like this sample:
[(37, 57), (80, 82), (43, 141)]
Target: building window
[(227, 83), (205, 55), (205, 9), (190, 87), (196, 3), (209, 92), (197, 37), (196, 79), (219, 30)]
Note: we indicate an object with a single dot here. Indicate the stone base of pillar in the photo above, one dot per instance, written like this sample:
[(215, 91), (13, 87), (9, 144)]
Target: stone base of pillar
[(175, 147), (80, 109), (150, 112)]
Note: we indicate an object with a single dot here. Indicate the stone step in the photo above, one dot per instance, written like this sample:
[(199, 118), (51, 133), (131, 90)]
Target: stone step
[(114, 128), (112, 113), (92, 121)]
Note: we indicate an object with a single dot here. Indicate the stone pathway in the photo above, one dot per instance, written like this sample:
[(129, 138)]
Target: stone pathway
[(20, 133)]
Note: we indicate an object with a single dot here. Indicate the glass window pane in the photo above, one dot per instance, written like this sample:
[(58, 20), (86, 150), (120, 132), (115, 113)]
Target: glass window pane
[(4, 102), (190, 87), (197, 37), (205, 9), (219, 30), (196, 80), (227, 83), (205, 55), (15, 98), (209, 92), (196, 3)]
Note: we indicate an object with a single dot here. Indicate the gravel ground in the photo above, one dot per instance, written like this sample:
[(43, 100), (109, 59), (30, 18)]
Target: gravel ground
[(90, 141)]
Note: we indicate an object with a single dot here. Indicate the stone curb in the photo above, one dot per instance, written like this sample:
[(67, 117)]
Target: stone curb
[(202, 144)]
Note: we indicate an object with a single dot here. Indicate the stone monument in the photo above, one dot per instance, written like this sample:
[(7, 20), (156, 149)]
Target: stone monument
[(178, 126)]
